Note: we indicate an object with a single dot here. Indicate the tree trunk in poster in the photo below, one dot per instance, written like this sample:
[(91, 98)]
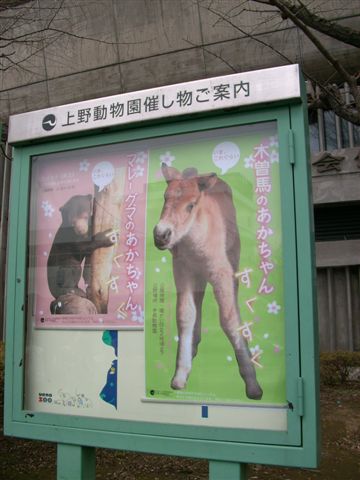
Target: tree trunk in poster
[(106, 217)]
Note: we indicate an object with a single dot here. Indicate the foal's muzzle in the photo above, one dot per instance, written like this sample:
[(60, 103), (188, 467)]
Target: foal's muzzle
[(162, 237)]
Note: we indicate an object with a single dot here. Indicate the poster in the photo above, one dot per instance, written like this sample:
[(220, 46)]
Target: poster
[(87, 236), (196, 260), (216, 199)]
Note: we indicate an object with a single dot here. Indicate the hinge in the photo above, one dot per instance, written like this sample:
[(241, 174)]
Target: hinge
[(291, 147), (300, 397)]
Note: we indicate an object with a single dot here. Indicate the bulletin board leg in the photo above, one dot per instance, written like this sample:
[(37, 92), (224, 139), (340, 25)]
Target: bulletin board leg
[(227, 471), (75, 462)]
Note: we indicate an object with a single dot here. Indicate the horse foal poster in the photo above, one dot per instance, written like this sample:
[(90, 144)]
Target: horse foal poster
[(214, 278)]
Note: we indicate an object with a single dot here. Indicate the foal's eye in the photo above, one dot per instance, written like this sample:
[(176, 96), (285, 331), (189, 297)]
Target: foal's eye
[(190, 207)]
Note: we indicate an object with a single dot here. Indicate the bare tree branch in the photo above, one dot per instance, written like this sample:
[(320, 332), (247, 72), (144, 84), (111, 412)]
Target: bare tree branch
[(282, 5), (6, 4), (210, 52), (247, 34), (328, 27), (300, 16)]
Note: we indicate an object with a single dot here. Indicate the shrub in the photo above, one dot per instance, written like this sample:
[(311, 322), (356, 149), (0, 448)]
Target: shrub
[(335, 367)]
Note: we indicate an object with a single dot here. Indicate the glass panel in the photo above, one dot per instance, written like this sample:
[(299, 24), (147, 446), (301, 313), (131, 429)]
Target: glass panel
[(330, 130), (313, 131), (345, 133), (149, 233), (356, 135)]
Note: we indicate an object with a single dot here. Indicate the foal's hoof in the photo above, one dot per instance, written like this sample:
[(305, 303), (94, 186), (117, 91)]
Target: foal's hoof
[(178, 383), (254, 392)]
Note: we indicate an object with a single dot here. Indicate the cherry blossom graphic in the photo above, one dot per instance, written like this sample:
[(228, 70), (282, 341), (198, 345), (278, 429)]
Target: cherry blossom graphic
[(141, 157), (84, 166), (255, 350), (167, 158), (139, 171), (138, 315), (47, 208), (273, 308), (274, 156)]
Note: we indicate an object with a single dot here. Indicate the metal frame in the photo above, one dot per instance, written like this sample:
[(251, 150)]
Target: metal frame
[(223, 447)]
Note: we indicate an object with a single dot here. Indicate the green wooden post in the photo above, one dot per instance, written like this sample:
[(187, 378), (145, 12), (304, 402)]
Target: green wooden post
[(227, 471), (75, 462)]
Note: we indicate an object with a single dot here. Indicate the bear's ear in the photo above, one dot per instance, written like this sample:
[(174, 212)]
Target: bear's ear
[(63, 211), (65, 206)]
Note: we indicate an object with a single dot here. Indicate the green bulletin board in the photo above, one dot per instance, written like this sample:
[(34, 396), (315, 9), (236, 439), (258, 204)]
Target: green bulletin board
[(208, 322)]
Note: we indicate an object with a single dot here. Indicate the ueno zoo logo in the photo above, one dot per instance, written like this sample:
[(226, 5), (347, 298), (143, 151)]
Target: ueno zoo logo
[(49, 122)]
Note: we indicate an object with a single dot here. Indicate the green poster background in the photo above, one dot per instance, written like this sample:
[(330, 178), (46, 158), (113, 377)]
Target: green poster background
[(215, 376)]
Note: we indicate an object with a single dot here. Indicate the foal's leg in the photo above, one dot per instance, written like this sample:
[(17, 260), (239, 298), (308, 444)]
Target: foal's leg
[(190, 289), (198, 298), (185, 319), (223, 284)]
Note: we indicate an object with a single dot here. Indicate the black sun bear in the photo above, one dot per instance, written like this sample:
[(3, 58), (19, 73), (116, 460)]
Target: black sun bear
[(73, 242)]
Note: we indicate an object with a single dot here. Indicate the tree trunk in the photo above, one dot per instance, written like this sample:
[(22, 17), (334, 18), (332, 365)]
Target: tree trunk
[(106, 216)]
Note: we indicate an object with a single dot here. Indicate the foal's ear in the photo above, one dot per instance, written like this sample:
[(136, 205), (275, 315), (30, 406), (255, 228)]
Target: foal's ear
[(170, 173), (189, 173), (206, 181)]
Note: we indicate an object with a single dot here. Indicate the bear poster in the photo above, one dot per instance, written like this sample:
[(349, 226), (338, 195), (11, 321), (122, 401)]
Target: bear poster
[(86, 253)]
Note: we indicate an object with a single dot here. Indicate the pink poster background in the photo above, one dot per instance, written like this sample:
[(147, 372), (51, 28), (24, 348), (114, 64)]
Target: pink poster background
[(55, 179)]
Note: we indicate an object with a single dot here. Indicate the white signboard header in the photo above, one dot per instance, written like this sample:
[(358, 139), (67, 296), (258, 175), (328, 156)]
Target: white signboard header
[(240, 89)]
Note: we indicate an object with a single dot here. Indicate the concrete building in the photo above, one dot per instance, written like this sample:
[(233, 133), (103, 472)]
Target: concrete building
[(83, 50)]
